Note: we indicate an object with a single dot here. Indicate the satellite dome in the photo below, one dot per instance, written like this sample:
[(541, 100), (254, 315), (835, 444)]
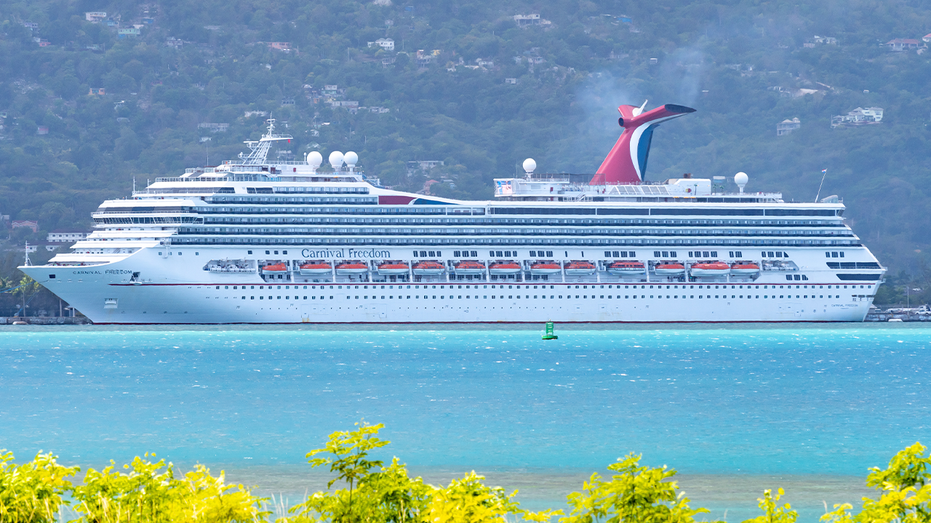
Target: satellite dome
[(314, 159), (351, 158), (529, 165), (741, 180), (336, 160)]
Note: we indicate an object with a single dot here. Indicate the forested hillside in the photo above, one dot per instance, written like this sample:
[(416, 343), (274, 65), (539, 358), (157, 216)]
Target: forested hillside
[(92, 101)]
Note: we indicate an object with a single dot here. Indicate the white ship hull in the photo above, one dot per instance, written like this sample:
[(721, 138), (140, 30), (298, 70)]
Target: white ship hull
[(161, 295)]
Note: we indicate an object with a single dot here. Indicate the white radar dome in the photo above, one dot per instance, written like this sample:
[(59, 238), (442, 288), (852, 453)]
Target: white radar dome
[(741, 180), (529, 165), (351, 158), (314, 159), (336, 160)]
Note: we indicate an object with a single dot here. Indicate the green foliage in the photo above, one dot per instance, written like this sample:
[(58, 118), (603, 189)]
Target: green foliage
[(32, 492), (905, 487), (150, 493), (773, 513), (636, 494), (374, 493)]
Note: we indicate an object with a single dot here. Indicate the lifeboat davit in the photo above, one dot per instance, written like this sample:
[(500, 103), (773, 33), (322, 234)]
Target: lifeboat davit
[(710, 269), (504, 268), (351, 268), (428, 268), (275, 268), (469, 268), (669, 269), (316, 268), (580, 268), (545, 268), (627, 267), (393, 268), (745, 269)]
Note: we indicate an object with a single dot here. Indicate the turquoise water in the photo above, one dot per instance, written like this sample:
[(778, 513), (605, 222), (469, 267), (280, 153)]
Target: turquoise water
[(760, 401)]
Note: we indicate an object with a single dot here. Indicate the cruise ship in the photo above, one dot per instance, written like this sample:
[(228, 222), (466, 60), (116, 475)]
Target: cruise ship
[(260, 241)]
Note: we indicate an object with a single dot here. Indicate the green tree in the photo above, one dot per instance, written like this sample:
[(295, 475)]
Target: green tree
[(32, 492), (636, 494), (772, 512), (905, 492)]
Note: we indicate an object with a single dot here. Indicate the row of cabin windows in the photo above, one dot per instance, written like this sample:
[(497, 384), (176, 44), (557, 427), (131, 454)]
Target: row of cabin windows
[(381, 240), (527, 287), (777, 254), (560, 296), (833, 254), (625, 254)]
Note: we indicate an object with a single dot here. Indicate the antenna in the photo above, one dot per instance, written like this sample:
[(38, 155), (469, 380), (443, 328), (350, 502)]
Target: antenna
[(824, 173), (27, 256)]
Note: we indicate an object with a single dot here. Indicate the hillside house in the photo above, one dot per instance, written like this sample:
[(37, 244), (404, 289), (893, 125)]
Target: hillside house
[(95, 16), (280, 46), (826, 40), (526, 20), (857, 117), (385, 43), (787, 126), (926, 38), (531, 19), (128, 32), (903, 44), (29, 224), (214, 127)]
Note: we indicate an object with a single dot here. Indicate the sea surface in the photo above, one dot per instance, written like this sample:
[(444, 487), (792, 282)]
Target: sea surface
[(734, 409)]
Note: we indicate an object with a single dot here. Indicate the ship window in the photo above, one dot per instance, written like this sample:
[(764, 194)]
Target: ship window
[(805, 277), (250, 252), (656, 254), (789, 277), (267, 252)]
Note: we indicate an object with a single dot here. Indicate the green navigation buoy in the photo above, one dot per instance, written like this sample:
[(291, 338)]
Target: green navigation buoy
[(549, 332)]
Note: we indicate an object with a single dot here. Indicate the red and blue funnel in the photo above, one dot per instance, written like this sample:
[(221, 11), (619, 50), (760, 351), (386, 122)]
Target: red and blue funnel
[(627, 161)]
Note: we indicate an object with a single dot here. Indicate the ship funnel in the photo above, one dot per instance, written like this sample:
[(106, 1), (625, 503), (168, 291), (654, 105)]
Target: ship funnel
[(741, 180), (627, 161)]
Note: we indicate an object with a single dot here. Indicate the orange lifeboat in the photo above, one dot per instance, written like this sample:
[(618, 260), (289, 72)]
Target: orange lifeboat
[(351, 268), (545, 268), (745, 269), (469, 268), (627, 267), (669, 269), (710, 269), (316, 268), (393, 268), (428, 268), (504, 268), (275, 268), (579, 268)]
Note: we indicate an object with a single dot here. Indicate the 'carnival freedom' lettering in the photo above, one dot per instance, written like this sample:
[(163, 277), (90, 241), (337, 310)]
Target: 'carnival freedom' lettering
[(345, 253)]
